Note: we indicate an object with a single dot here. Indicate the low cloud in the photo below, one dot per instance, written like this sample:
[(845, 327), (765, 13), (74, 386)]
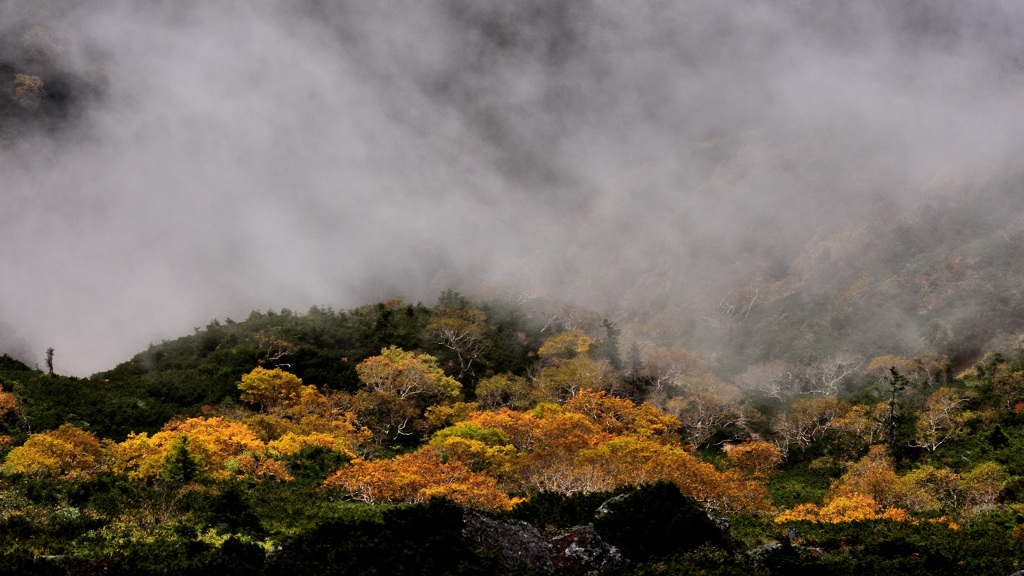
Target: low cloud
[(286, 154)]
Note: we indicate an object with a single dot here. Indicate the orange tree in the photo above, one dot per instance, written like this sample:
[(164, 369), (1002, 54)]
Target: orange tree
[(416, 478), (596, 443)]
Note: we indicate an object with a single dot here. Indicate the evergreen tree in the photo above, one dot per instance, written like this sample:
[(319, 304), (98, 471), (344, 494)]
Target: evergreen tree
[(608, 347), (182, 466), (897, 383)]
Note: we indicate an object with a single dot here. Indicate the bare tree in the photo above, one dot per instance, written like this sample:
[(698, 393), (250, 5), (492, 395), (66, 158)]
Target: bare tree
[(942, 419), (703, 415), (776, 379), (461, 331), (807, 421), (823, 377)]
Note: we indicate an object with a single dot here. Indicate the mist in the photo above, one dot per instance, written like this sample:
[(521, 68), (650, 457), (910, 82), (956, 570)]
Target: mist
[(230, 156)]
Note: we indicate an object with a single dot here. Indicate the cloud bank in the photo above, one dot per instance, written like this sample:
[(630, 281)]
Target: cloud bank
[(254, 155)]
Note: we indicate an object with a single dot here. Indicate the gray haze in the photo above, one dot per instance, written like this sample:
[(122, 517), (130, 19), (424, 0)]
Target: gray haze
[(618, 153)]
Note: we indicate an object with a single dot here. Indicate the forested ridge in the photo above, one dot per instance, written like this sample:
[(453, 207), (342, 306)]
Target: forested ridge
[(268, 442)]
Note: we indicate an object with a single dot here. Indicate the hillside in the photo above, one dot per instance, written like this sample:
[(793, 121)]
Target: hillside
[(531, 411)]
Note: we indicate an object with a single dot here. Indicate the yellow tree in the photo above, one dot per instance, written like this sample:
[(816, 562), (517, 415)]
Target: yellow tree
[(388, 417), (548, 440), (851, 508), (66, 452), (597, 442), (565, 367), (563, 378), (397, 386), (620, 415), (875, 476), (568, 344), (217, 441), (269, 427), (808, 421), (1008, 386), (558, 439), (28, 91), (864, 424), (8, 404), (629, 460), (480, 448), (299, 412), (275, 390), (980, 487), (917, 369), (521, 428), (292, 443), (10, 411)]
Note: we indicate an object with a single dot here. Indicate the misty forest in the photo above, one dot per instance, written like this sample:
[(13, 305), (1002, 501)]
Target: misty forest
[(511, 287)]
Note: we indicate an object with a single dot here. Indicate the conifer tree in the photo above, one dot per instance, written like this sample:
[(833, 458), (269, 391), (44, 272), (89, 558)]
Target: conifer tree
[(897, 383), (182, 466)]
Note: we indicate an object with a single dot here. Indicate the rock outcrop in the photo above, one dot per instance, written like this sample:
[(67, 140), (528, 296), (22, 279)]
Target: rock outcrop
[(583, 550), (521, 547)]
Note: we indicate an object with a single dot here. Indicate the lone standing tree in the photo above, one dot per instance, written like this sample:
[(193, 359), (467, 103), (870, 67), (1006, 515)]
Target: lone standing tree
[(49, 360), (897, 383)]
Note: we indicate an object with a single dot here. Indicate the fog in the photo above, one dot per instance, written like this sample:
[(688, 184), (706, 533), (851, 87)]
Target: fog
[(231, 156)]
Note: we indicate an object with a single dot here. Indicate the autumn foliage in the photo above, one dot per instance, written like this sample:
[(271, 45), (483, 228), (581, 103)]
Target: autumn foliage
[(277, 391), (852, 508), (406, 374), (756, 457), (416, 477), (597, 442), (215, 440), (67, 452)]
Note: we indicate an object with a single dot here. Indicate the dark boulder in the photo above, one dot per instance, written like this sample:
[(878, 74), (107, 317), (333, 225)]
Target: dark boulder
[(583, 550), (521, 548), (519, 545)]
